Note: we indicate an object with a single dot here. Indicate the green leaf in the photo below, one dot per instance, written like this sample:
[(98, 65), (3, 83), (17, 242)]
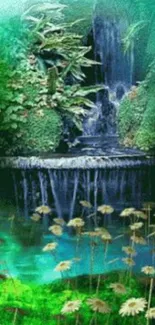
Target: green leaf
[(14, 125), (37, 8)]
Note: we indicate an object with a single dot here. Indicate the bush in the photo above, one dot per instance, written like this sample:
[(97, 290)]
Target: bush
[(136, 118), (41, 133)]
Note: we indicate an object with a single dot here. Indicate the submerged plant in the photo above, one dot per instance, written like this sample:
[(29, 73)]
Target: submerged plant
[(50, 247), (43, 209), (56, 230), (35, 217), (59, 221), (63, 266), (76, 223), (105, 209), (149, 270), (136, 226), (129, 250), (86, 204), (140, 215), (138, 240), (127, 212), (129, 261)]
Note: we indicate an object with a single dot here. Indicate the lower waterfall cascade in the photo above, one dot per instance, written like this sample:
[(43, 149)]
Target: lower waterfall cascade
[(62, 189)]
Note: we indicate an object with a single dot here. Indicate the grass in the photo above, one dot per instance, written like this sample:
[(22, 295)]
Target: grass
[(43, 304)]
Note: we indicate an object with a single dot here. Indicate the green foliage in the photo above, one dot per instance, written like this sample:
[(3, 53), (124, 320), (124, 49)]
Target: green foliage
[(12, 49), (76, 10), (13, 46), (4, 78), (137, 116), (13, 38), (28, 84), (65, 45), (41, 133), (43, 304)]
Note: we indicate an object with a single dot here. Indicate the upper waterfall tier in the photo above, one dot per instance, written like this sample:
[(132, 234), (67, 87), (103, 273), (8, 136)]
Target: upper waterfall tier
[(116, 65), (115, 72)]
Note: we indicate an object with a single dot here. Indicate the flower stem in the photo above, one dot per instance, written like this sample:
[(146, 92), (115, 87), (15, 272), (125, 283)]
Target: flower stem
[(91, 266), (150, 297), (93, 319), (15, 316), (77, 319)]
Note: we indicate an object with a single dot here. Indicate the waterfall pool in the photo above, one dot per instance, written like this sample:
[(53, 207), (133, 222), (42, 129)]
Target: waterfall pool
[(31, 264)]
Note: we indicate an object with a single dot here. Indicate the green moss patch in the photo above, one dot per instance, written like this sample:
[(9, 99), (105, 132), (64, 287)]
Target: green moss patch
[(41, 133), (136, 119)]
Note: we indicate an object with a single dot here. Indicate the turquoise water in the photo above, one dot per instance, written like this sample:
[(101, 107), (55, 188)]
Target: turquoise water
[(31, 264)]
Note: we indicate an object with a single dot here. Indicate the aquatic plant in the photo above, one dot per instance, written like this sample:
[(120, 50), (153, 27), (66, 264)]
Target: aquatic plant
[(43, 209), (56, 230), (35, 217), (50, 247), (59, 221), (63, 266), (76, 222), (105, 209), (129, 250)]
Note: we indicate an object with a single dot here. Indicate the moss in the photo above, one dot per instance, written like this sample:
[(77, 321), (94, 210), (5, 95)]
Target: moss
[(41, 133), (136, 118), (145, 136)]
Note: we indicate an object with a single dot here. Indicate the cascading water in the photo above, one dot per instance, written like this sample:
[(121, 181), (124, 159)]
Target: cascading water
[(116, 66), (63, 189), (116, 74)]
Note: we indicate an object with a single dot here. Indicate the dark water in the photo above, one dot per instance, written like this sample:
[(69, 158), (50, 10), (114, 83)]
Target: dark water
[(63, 189)]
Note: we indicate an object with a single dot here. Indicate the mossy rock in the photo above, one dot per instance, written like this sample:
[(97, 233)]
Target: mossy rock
[(41, 133), (136, 118)]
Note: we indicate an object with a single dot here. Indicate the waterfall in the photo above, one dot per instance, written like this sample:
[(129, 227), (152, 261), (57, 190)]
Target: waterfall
[(63, 190), (25, 192), (44, 195), (54, 184), (116, 66), (115, 72)]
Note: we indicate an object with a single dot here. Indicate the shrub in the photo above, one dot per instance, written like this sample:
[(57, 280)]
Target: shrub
[(136, 118), (41, 132)]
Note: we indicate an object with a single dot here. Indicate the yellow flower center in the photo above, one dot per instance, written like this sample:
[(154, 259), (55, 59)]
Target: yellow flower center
[(132, 304)]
